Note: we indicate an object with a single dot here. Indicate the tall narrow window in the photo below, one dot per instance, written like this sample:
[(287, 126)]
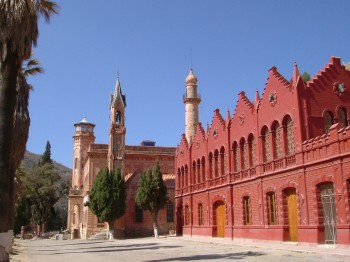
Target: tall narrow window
[(199, 171), (251, 150), (178, 184), (222, 161), (138, 214), (170, 212), (200, 214), (186, 175), (342, 117), (118, 118), (187, 215), (277, 139), (194, 171), (216, 163), (182, 177), (210, 165), (236, 158), (247, 216), (76, 163), (328, 121), (290, 136), (244, 154), (266, 144), (203, 169), (271, 208)]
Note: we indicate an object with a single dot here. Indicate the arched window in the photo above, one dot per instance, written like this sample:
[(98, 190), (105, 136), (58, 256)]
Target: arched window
[(247, 213), (182, 177), (138, 214), (277, 140), (244, 153), (251, 150), (271, 208), (187, 215), (216, 163), (222, 161), (199, 171), (170, 212), (76, 163), (210, 165), (200, 214), (236, 158), (179, 178), (194, 171), (328, 121), (117, 117), (186, 175), (266, 144), (289, 135), (203, 168), (342, 117)]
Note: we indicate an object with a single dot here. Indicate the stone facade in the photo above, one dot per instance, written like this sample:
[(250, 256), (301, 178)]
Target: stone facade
[(277, 169), (89, 158)]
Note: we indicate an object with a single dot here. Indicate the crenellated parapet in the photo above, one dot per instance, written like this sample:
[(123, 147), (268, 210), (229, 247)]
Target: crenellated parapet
[(334, 144)]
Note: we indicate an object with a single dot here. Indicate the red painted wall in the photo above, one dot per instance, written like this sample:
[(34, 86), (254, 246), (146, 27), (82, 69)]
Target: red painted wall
[(317, 158)]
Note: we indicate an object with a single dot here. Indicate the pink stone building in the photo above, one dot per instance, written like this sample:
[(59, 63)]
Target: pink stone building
[(277, 169), (89, 158)]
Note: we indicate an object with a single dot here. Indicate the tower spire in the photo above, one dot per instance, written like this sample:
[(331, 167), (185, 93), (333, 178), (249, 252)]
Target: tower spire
[(191, 100)]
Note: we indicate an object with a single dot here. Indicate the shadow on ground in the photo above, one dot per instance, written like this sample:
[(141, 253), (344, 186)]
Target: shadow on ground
[(238, 255)]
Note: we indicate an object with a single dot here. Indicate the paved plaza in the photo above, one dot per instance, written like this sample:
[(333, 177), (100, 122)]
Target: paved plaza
[(170, 249)]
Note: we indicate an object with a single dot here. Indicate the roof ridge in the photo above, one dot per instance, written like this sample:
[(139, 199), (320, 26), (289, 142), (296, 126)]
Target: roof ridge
[(219, 116)]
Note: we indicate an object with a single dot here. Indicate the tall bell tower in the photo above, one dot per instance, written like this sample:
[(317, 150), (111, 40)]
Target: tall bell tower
[(191, 100), (82, 138), (117, 131)]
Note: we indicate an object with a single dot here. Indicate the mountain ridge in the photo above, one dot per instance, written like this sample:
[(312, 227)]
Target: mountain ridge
[(31, 159)]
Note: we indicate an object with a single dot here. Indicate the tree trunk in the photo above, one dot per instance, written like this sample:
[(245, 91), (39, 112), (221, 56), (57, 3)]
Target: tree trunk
[(9, 69), (111, 233), (155, 224)]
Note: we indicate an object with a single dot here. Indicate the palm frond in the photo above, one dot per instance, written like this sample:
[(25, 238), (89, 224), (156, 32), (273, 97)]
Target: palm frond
[(46, 8)]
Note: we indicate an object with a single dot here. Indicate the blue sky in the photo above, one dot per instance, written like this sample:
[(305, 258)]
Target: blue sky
[(233, 43)]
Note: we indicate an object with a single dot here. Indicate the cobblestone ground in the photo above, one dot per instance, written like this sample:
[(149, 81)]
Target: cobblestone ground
[(166, 249)]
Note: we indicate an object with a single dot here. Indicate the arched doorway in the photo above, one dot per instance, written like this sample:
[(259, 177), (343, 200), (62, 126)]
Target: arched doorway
[(220, 218), (292, 211), (179, 221), (328, 213)]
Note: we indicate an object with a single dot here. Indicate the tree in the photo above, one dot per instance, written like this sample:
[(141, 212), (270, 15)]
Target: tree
[(347, 66), (107, 198), (19, 32), (306, 76), (152, 194), (46, 157), (40, 188)]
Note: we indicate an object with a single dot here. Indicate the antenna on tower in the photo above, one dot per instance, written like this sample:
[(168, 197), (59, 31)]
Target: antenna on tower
[(118, 73), (191, 57)]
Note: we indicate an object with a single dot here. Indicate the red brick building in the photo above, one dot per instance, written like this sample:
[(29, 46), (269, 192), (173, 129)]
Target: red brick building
[(89, 158), (278, 169)]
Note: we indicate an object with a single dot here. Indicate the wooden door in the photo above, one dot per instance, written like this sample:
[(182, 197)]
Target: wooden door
[(292, 214), (220, 219)]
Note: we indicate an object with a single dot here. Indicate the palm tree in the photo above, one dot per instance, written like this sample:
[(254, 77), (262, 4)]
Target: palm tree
[(19, 32), (21, 121)]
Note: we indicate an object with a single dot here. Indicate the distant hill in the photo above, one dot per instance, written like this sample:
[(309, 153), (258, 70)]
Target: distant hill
[(30, 159)]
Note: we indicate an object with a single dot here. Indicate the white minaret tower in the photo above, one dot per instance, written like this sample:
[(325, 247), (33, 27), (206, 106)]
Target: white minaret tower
[(191, 100)]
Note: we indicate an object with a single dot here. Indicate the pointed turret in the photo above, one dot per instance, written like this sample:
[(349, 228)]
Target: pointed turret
[(117, 131), (191, 100), (118, 94), (296, 75)]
